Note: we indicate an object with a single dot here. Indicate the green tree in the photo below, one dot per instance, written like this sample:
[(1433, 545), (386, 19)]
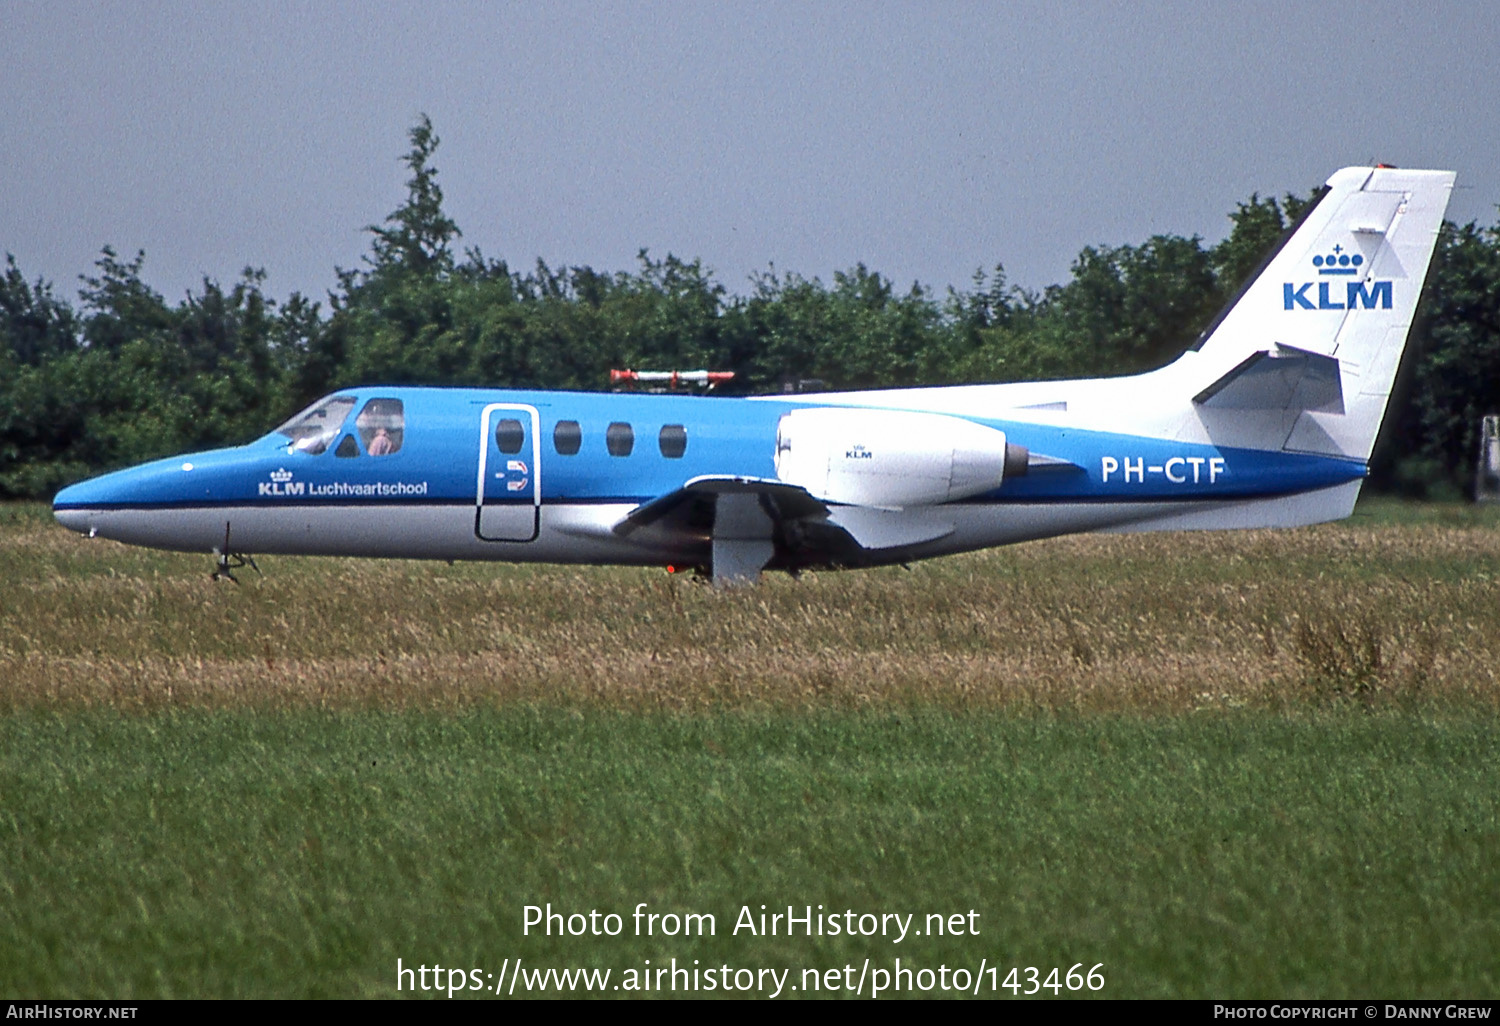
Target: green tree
[(35, 326), (1451, 376), (1259, 226), (416, 236), (394, 322), (119, 307), (126, 376)]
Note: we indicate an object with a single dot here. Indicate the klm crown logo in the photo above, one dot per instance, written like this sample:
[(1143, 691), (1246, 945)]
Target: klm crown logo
[(281, 476), (1370, 295), (1338, 262)]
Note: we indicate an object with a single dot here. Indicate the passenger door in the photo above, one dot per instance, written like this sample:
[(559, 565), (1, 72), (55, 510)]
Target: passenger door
[(509, 501)]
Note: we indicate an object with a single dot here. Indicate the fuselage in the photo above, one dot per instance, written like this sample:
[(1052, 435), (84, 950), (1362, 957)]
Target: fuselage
[(444, 473)]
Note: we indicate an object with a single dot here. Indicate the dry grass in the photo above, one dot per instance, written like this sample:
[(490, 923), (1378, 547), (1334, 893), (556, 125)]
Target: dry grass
[(1361, 612)]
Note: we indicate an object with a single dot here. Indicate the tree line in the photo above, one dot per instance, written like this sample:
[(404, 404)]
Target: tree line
[(123, 376)]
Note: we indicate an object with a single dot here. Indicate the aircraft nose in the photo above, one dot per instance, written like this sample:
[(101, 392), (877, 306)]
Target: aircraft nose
[(73, 519), (87, 507), (127, 505), (70, 507)]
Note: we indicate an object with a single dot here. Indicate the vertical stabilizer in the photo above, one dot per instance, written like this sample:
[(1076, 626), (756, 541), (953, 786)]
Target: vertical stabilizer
[(1343, 288)]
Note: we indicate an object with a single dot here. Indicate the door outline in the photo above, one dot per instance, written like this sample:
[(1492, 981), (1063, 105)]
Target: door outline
[(524, 533)]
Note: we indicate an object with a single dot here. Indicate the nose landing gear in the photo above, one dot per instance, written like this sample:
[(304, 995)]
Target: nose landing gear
[(229, 561)]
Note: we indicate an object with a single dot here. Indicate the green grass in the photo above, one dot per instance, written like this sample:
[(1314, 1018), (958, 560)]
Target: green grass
[(1388, 511), (302, 853), (1241, 765)]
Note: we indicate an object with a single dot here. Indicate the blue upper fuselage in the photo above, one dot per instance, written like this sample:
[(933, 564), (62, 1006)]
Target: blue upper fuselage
[(442, 432)]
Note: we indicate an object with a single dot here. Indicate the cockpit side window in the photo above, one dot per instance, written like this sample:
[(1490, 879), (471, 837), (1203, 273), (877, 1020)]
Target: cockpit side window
[(382, 426), (315, 427)]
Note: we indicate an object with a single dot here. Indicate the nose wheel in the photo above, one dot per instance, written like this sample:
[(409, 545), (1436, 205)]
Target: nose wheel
[(229, 561)]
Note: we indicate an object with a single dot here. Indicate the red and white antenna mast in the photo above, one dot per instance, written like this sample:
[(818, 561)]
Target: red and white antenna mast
[(672, 379)]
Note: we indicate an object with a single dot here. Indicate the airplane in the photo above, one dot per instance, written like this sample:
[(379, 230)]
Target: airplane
[(1268, 421)]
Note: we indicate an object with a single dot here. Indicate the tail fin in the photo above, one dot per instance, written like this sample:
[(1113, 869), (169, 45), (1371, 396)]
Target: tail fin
[(1319, 333)]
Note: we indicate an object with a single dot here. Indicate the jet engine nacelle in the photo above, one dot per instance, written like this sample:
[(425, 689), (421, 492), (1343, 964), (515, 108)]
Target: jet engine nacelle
[(892, 458)]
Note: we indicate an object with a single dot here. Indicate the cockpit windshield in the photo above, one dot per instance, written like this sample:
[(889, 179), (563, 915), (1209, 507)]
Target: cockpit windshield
[(314, 428)]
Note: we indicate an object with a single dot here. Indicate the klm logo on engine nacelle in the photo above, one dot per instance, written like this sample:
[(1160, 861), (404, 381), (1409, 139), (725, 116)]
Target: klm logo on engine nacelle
[(1372, 295)]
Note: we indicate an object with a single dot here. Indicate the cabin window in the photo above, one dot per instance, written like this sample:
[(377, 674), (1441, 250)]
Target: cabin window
[(673, 441), (314, 428), (619, 439), (382, 426), (348, 448), (510, 436), (567, 437)]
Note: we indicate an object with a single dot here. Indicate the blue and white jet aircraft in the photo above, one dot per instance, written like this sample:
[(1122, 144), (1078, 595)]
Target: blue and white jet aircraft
[(1268, 422)]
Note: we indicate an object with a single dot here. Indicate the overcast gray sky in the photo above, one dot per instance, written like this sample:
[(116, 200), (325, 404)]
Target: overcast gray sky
[(925, 140)]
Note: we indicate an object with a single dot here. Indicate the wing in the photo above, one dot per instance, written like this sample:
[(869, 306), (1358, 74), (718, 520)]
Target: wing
[(747, 523)]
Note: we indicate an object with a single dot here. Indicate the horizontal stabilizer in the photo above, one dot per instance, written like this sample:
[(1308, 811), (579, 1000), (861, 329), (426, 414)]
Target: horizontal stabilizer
[(1284, 378)]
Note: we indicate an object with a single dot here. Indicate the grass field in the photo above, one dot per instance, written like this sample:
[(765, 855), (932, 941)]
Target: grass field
[(1245, 764)]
